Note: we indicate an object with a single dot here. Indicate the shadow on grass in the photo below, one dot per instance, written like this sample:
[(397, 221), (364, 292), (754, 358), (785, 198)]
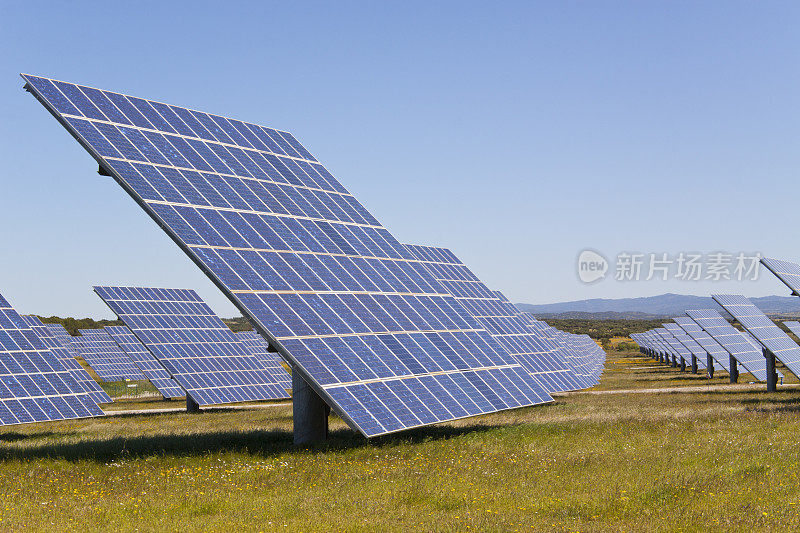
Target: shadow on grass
[(255, 442), (15, 437)]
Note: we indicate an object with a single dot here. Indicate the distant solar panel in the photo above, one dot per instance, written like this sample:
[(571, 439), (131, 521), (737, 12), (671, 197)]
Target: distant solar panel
[(34, 386), (677, 348), (270, 360), (59, 332), (763, 329), (563, 350), (718, 354), (690, 344), (793, 326), (144, 360), (105, 357), (82, 378), (499, 317), (732, 340), (194, 345), (788, 273), (313, 270), (662, 346)]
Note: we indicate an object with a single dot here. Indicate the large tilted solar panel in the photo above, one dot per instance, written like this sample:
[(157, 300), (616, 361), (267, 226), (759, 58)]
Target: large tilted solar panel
[(34, 386), (368, 328), (788, 273), (719, 355), (690, 344), (763, 329), (100, 352), (499, 317), (752, 340), (270, 360), (585, 354), (144, 360), (663, 346), (594, 356), (194, 345), (79, 374), (732, 340)]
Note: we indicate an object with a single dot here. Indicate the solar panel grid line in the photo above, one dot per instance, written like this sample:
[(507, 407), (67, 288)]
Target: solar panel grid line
[(34, 386), (732, 340), (793, 325), (204, 221), (719, 355), (81, 377), (662, 345), (570, 357), (765, 331), (153, 370)]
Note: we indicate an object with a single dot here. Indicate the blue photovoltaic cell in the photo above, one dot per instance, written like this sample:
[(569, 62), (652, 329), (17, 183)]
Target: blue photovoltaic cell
[(62, 335), (100, 352), (760, 326), (34, 386), (787, 272), (794, 326), (688, 343), (677, 348), (661, 345), (193, 344), (575, 361), (732, 340), (500, 318), (270, 360), (719, 355), (79, 374), (344, 302), (144, 360)]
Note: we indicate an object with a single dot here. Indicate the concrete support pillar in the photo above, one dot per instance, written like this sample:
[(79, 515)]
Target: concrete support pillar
[(772, 375), (734, 369), (191, 405), (309, 413), (694, 364), (709, 365)]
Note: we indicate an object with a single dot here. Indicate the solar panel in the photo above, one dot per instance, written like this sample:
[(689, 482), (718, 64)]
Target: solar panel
[(311, 268), (34, 387), (732, 340), (271, 362), (661, 345), (787, 272), (562, 350), (763, 329), (499, 317), (62, 335), (719, 355), (84, 382), (694, 349), (105, 357), (144, 360), (194, 345), (678, 349), (793, 326)]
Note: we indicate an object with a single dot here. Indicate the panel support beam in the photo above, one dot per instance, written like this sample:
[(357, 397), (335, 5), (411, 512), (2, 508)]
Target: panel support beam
[(734, 368), (772, 374), (674, 361), (309, 413), (709, 365), (683, 364), (694, 364), (191, 405)]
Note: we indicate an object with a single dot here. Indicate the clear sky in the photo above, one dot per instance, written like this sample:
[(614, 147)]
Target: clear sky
[(516, 134)]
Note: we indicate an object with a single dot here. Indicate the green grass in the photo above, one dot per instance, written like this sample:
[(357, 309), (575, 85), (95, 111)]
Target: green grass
[(620, 462)]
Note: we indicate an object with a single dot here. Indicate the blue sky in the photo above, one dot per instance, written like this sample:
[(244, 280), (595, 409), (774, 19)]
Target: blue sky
[(516, 134)]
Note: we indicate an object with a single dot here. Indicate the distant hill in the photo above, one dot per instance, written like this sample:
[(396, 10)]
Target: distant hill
[(665, 305)]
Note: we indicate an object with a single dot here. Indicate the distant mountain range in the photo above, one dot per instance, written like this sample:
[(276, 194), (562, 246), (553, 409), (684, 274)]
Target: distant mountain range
[(665, 305)]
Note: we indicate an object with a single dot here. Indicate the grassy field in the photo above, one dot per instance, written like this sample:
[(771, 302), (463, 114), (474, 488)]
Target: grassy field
[(650, 462)]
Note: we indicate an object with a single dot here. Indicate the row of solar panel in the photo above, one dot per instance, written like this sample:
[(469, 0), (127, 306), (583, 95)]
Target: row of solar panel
[(391, 336), (706, 335)]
